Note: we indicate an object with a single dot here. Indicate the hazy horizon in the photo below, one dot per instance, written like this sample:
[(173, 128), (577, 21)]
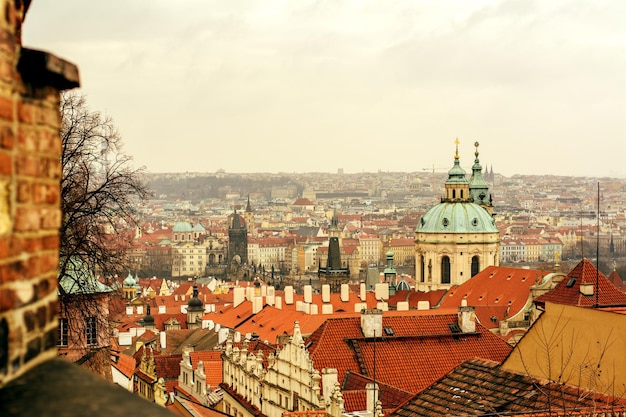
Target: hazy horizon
[(313, 86)]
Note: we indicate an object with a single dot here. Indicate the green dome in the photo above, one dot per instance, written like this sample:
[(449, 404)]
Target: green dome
[(182, 227), (129, 281), (457, 217)]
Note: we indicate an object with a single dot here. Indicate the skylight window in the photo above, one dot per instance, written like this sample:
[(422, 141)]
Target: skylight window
[(571, 282), (388, 330)]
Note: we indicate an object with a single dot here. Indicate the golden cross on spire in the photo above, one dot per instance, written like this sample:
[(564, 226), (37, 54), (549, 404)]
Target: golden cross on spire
[(456, 142)]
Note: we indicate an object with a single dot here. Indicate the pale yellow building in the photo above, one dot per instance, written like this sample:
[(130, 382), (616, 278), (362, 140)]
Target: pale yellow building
[(576, 346)]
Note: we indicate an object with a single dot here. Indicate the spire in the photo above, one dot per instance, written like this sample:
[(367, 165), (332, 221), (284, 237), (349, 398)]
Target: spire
[(248, 206), (478, 188), (236, 223), (457, 185)]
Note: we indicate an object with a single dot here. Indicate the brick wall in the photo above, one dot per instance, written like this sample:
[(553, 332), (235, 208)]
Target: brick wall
[(30, 215)]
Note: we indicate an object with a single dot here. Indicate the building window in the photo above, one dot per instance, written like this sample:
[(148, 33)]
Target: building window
[(63, 332), (475, 265), (445, 270), (422, 268), (91, 331)]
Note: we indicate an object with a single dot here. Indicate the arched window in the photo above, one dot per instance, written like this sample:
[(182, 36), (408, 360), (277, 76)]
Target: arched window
[(461, 193), (475, 265), (445, 270), (422, 267), (453, 193)]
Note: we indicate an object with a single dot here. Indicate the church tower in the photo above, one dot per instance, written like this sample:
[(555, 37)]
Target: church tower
[(249, 217), (195, 310), (334, 274), (237, 241), (478, 188), (457, 238)]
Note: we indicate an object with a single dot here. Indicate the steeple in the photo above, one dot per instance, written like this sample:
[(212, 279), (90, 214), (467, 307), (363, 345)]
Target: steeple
[(248, 206), (236, 224), (478, 188), (390, 273), (457, 187)]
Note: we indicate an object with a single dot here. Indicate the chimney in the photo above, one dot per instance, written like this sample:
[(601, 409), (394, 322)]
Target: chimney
[(382, 291), (279, 302), (289, 295), (161, 309), (362, 293), (467, 319), (238, 296), (308, 294), (371, 390), (257, 304), (175, 297), (129, 310), (326, 293), (163, 340), (586, 288), (372, 323), (329, 380), (140, 310), (345, 293)]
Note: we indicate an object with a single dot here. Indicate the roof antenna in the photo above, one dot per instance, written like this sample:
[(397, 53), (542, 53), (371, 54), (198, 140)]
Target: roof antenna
[(598, 246), (375, 399)]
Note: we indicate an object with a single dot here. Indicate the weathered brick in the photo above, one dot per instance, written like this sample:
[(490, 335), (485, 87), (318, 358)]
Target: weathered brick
[(32, 349), (53, 309), (45, 193), (23, 192), (50, 218), (6, 273), (48, 262), (26, 113), (6, 107), (30, 319), (27, 140), (7, 138), (50, 242), (50, 339), (26, 219), (4, 247), (42, 316), (6, 163), (7, 299), (27, 165)]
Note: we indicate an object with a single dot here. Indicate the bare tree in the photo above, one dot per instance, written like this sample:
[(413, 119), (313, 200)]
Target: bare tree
[(100, 192)]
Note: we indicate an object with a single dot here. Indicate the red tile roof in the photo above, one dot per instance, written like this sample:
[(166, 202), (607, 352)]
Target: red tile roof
[(491, 291), (568, 291), (421, 350), (481, 387), (212, 361)]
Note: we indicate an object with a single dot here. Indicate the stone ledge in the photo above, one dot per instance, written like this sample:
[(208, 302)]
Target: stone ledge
[(61, 389), (41, 68)]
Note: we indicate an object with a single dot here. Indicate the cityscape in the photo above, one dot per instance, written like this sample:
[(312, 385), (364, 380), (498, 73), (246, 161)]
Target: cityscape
[(452, 288)]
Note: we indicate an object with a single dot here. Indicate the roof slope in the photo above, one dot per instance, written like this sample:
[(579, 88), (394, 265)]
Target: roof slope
[(481, 387), (568, 291), (419, 347)]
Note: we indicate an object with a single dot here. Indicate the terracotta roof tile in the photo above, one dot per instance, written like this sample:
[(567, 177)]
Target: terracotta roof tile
[(481, 387), (424, 338), (568, 291)]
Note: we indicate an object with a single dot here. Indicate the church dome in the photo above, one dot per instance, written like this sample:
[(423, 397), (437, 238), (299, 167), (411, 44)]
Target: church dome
[(403, 286), (195, 301), (455, 217), (129, 281), (182, 227)]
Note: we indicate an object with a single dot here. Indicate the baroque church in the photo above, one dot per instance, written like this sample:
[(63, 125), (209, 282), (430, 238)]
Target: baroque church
[(457, 238)]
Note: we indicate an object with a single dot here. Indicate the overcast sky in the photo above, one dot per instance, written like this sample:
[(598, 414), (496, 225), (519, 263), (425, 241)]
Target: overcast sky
[(363, 85)]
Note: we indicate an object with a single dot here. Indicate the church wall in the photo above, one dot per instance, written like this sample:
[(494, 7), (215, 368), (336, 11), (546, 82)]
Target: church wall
[(460, 248)]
